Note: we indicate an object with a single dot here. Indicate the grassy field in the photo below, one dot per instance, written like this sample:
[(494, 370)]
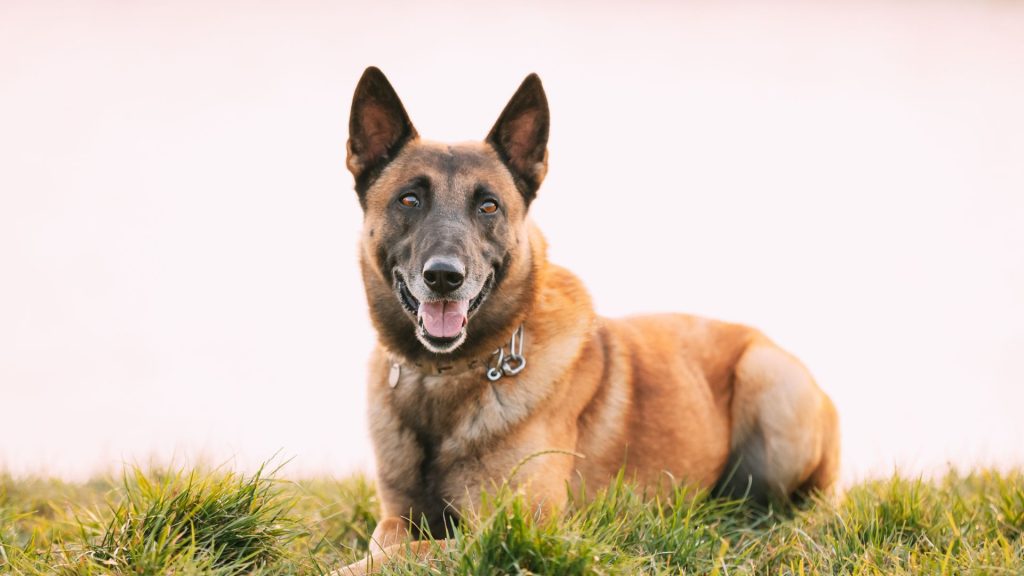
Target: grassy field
[(215, 522)]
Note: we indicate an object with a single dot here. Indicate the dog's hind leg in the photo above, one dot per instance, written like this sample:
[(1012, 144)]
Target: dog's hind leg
[(785, 431)]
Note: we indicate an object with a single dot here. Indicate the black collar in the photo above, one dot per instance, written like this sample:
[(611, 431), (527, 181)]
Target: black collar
[(498, 364)]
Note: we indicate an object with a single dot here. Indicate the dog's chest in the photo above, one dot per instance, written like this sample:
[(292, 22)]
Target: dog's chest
[(455, 414)]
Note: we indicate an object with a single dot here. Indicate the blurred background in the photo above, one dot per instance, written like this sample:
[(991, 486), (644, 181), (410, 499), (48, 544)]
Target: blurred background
[(178, 232)]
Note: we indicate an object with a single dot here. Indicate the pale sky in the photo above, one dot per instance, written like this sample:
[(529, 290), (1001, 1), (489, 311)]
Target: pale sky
[(178, 232)]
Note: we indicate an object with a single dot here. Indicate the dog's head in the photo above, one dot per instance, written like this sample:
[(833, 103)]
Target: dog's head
[(444, 225)]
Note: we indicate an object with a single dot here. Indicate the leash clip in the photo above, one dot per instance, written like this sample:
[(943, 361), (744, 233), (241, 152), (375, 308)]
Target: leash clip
[(494, 373), (514, 363)]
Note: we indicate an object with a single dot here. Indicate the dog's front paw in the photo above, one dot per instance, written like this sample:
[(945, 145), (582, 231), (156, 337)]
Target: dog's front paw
[(388, 533)]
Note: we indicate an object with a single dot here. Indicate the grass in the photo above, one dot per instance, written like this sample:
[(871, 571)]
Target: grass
[(216, 522)]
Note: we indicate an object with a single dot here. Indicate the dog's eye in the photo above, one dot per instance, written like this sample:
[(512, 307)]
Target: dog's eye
[(410, 201), (489, 207)]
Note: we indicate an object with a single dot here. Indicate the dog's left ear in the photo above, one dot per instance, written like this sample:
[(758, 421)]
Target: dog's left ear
[(378, 128), (520, 136)]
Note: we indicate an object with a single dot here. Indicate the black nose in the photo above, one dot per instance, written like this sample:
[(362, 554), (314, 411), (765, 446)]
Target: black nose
[(443, 275)]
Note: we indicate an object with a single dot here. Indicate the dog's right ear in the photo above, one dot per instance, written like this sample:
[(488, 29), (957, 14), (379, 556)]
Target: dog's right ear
[(520, 136), (377, 129)]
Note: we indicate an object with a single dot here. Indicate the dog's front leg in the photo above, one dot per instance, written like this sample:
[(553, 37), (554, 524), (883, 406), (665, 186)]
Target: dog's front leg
[(389, 532), (422, 550), (387, 540), (390, 540)]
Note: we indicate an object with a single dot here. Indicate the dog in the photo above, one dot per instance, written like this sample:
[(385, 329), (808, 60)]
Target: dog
[(490, 358)]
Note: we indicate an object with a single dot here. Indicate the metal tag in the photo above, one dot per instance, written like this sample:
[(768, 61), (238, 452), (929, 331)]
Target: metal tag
[(395, 374)]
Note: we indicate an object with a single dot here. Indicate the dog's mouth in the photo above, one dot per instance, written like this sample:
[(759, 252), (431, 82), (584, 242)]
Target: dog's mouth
[(441, 324)]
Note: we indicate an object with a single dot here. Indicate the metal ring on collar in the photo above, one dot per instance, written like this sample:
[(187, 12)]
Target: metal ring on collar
[(494, 373), (511, 370)]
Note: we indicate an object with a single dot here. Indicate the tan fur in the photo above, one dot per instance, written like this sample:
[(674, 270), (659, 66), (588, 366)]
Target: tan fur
[(669, 397)]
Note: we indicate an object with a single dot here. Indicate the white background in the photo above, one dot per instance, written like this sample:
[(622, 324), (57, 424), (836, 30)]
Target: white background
[(178, 232)]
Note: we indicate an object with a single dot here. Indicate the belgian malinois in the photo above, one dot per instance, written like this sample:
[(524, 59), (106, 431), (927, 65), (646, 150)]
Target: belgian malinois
[(488, 354)]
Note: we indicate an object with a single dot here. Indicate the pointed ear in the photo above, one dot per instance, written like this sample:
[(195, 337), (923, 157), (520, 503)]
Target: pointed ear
[(377, 129), (520, 136)]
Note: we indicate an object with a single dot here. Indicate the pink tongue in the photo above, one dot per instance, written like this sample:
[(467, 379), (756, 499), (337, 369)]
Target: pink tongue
[(444, 319)]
